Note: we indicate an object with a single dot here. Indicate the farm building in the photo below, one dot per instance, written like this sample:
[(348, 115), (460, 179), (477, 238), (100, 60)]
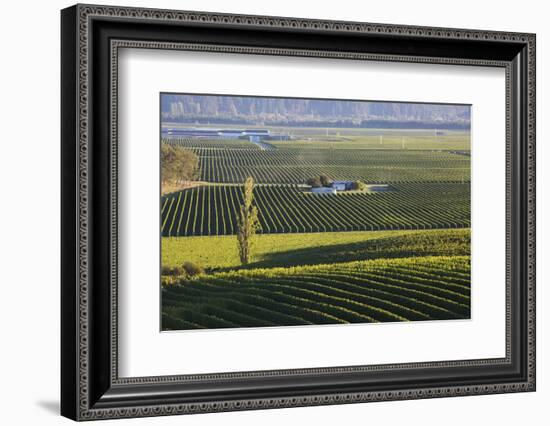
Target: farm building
[(192, 133), (323, 190), (253, 135), (342, 185), (229, 134), (262, 135)]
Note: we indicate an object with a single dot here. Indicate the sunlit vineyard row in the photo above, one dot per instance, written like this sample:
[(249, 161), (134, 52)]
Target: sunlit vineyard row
[(296, 165), (382, 290), (213, 209), (284, 250), (187, 142)]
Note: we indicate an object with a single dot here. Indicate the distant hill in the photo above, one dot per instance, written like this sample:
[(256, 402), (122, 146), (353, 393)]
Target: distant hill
[(309, 112)]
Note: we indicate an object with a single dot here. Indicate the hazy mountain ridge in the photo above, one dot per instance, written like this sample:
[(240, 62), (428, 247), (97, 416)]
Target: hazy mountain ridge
[(260, 110)]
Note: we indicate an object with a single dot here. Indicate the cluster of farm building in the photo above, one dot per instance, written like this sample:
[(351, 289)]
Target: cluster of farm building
[(347, 185), (253, 135)]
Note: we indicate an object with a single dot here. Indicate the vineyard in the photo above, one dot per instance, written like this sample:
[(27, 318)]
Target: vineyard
[(196, 143), (312, 261), (410, 289), (218, 254), (212, 209), (232, 161)]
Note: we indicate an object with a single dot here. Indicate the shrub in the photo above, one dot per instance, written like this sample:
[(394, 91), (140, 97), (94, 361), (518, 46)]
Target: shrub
[(192, 269), (358, 185), (325, 181), (172, 271), (178, 163), (314, 182)]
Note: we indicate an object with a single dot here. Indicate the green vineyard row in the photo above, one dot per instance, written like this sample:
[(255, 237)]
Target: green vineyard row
[(213, 209), (233, 161), (410, 289), (211, 143)]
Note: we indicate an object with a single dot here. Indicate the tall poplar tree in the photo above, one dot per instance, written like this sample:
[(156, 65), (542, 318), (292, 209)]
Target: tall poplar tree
[(247, 222)]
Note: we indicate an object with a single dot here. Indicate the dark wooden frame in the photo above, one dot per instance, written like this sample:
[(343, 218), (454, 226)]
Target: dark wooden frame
[(90, 386)]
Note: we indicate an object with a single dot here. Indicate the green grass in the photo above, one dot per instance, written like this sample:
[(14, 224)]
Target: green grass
[(382, 290), (274, 250), (360, 138), (381, 140)]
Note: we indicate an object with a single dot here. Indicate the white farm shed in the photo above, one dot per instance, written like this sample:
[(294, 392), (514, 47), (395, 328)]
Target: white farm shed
[(339, 186), (324, 190)]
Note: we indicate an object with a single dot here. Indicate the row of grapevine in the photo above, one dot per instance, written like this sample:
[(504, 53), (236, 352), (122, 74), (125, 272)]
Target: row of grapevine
[(410, 289), (210, 143), (212, 209), (295, 166), (340, 157), (232, 161)]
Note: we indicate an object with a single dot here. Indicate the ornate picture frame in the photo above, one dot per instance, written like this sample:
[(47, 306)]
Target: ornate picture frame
[(91, 37)]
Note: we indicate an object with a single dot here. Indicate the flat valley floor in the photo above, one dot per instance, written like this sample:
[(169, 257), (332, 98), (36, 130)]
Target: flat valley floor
[(399, 254)]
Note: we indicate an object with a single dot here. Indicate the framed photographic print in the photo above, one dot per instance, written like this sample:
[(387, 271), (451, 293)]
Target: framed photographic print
[(263, 212)]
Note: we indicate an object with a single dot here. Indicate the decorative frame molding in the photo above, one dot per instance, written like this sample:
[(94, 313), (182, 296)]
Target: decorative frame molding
[(91, 388)]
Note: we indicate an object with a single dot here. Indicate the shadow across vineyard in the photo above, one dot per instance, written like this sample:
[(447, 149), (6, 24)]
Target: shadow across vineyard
[(455, 243)]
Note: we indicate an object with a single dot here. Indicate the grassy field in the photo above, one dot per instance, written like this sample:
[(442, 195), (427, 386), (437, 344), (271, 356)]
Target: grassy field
[(382, 290), (356, 138), (382, 140), (277, 250)]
